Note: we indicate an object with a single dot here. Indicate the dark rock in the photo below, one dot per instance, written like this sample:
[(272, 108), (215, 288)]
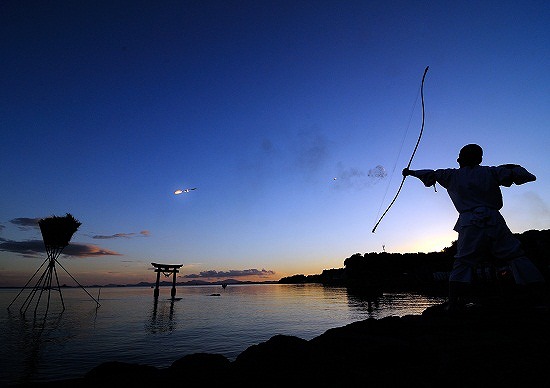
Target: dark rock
[(117, 373), (200, 366), (499, 345), (276, 362)]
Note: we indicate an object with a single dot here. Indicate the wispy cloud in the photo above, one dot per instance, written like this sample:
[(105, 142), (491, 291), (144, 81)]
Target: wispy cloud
[(143, 233), (25, 223), (88, 250), (31, 248), (233, 273), (116, 235), (35, 248)]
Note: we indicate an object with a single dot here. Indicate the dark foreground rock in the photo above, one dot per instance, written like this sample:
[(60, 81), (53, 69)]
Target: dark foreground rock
[(477, 347)]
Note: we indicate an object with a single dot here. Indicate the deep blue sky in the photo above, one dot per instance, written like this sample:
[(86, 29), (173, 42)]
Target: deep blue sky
[(107, 107)]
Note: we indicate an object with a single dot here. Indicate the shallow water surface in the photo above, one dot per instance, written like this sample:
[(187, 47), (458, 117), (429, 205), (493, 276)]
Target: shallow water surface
[(130, 327)]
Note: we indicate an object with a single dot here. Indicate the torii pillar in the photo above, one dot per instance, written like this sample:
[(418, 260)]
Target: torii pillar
[(166, 269)]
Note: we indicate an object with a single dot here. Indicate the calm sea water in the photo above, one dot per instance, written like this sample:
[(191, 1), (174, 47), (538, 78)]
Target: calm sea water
[(130, 327)]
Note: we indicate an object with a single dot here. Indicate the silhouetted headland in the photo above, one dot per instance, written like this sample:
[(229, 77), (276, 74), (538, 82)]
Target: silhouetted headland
[(414, 272)]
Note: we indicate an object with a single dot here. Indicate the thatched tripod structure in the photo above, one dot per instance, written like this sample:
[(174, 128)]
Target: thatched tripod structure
[(56, 233)]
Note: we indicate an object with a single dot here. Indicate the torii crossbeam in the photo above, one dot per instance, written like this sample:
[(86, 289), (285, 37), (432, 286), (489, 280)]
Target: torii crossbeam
[(166, 270)]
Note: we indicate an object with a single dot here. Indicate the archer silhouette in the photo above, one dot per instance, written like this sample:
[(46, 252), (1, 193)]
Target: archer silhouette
[(475, 193)]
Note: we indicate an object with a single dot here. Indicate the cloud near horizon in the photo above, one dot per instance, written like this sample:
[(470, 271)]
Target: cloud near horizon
[(35, 248), (25, 223), (143, 233), (231, 273)]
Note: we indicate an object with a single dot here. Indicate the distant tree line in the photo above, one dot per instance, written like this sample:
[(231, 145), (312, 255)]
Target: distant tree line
[(383, 271)]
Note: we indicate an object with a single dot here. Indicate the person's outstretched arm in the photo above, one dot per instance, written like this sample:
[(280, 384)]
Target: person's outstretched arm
[(508, 174), (428, 177)]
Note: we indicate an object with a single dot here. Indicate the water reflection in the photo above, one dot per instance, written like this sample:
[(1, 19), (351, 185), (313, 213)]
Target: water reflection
[(365, 299), (131, 326), (162, 316), (375, 304), (32, 336)]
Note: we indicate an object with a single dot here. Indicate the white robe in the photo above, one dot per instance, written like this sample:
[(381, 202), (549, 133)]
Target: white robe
[(482, 231)]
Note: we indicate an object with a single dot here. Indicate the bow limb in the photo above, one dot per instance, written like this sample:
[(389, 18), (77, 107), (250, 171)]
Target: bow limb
[(414, 151), (423, 115)]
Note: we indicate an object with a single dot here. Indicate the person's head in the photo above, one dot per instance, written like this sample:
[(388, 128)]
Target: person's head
[(470, 155)]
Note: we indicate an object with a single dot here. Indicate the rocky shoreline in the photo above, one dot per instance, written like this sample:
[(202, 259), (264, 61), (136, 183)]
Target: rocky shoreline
[(480, 346)]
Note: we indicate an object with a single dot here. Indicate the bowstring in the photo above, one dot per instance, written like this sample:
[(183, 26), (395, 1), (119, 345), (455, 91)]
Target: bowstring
[(398, 153), (414, 151)]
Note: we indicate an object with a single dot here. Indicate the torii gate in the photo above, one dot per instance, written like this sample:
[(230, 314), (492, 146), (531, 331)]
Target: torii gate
[(166, 270)]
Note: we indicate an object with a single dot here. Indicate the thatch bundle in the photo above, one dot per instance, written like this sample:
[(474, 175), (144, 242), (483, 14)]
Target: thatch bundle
[(58, 231)]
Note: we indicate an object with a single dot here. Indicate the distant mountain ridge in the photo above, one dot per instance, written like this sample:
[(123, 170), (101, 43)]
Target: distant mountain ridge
[(194, 282)]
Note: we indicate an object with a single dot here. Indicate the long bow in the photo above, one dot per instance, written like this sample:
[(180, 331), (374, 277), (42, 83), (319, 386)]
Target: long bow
[(415, 147)]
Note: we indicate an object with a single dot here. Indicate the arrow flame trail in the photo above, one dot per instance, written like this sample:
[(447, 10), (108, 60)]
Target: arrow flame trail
[(180, 191)]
